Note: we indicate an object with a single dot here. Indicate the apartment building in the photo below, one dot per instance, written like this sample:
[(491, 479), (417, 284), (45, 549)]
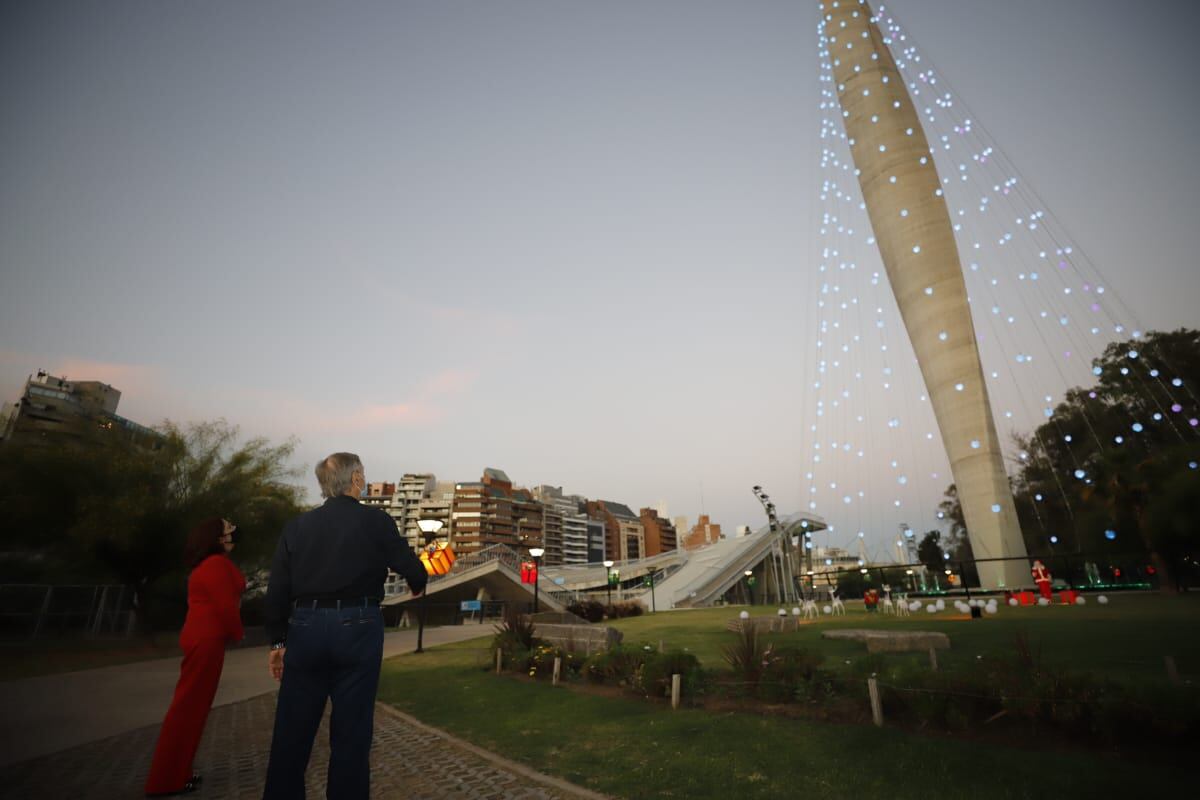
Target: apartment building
[(624, 537), (660, 536), (492, 511), (703, 533)]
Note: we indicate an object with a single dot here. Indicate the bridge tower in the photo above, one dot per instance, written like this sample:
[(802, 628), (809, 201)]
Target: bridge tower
[(912, 227)]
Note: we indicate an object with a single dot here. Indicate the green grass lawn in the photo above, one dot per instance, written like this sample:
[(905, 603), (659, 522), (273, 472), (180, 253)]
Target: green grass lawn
[(1124, 640), (631, 747)]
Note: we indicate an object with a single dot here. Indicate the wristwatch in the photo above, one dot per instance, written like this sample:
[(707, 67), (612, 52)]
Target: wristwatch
[(278, 645)]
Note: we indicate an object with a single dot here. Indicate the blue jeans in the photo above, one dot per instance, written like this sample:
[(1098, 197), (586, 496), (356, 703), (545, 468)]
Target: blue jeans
[(331, 653)]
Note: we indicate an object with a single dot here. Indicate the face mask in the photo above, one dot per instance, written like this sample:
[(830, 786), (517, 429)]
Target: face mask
[(235, 535)]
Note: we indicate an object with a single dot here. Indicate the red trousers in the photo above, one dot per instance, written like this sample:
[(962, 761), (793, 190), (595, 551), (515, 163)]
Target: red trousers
[(184, 724), (1044, 588)]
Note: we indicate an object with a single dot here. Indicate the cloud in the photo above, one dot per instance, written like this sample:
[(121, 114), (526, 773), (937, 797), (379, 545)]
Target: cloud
[(496, 323), (375, 417), (427, 404), (128, 378), (448, 382)]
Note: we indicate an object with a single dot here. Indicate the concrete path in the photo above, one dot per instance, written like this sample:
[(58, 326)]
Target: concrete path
[(52, 713), (408, 760)]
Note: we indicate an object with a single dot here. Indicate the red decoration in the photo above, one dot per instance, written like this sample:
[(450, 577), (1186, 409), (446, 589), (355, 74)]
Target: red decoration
[(528, 572)]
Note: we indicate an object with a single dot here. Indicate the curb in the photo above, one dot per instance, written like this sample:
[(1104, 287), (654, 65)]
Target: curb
[(557, 784)]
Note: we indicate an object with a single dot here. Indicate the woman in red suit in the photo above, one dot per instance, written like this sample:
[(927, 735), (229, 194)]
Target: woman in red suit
[(215, 589)]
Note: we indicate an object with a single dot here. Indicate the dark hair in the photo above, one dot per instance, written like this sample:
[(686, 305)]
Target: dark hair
[(204, 541)]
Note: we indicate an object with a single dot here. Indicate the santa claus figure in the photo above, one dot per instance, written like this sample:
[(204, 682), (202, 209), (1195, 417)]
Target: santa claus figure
[(1041, 576)]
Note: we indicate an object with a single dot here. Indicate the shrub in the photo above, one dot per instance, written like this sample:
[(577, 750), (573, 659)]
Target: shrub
[(514, 633), (618, 665), (658, 668), (785, 671), (747, 654), (631, 608), (591, 610)]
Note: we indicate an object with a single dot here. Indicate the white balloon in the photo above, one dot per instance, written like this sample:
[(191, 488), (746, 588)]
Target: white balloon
[(828, 609), (915, 605), (932, 609), (1102, 599), (1081, 601), (990, 609), (1043, 601), (1012, 601), (796, 611), (744, 615), (941, 605)]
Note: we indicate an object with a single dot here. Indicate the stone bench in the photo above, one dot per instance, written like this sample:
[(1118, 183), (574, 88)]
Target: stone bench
[(584, 638), (892, 641)]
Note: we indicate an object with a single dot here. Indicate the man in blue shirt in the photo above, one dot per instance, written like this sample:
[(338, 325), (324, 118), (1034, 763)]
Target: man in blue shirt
[(326, 629)]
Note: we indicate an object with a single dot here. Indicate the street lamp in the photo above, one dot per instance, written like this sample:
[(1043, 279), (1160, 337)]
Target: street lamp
[(750, 583), (650, 583), (608, 579), (429, 529), (536, 552)]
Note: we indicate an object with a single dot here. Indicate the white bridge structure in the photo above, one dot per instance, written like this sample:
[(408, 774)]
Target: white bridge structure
[(681, 578)]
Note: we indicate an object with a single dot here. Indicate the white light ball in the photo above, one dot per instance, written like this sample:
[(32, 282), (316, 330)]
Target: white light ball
[(828, 609), (932, 609), (782, 612), (1102, 599), (990, 609), (915, 605), (1012, 601), (744, 615), (796, 611), (1043, 601), (941, 605), (1081, 601)]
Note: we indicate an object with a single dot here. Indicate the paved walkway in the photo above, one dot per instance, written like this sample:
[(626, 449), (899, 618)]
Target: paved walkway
[(408, 760), (55, 712)]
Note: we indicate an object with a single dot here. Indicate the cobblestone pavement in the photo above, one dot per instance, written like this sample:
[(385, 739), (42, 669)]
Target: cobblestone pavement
[(407, 761)]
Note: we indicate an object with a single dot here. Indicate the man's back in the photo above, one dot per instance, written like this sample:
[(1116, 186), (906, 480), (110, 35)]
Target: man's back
[(326, 630), (340, 550)]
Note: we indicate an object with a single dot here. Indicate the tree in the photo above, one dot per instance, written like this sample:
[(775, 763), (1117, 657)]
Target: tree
[(122, 510), (1094, 475), (930, 553), (958, 542)]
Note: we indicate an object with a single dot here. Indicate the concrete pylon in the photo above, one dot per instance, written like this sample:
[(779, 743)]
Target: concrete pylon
[(916, 241)]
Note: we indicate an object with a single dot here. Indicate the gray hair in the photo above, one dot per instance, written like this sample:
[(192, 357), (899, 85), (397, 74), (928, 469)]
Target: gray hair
[(335, 473)]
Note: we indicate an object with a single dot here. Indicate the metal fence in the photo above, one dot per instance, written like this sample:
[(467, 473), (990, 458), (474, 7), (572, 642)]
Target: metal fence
[(1080, 570), (42, 610)]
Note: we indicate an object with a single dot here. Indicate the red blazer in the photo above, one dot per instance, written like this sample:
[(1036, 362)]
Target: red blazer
[(214, 601)]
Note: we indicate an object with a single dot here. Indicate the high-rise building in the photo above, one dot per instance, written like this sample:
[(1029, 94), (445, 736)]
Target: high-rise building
[(405, 506), (379, 495), (595, 540), (703, 533), (659, 532), (53, 409), (624, 537), (574, 522), (491, 511)]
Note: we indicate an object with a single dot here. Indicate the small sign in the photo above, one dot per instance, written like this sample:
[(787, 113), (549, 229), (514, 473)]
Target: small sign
[(560, 581), (471, 605)]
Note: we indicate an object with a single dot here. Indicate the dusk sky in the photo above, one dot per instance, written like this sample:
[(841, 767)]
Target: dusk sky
[(569, 240)]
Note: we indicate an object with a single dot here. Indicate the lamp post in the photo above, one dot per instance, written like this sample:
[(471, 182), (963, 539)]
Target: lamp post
[(608, 581), (429, 529), (536, 552), (650, 583), (750, 583)]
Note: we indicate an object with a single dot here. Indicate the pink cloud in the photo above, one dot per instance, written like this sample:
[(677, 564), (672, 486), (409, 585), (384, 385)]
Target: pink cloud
[(448, 382), (128, 378), (396, 415), (497, 322)]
